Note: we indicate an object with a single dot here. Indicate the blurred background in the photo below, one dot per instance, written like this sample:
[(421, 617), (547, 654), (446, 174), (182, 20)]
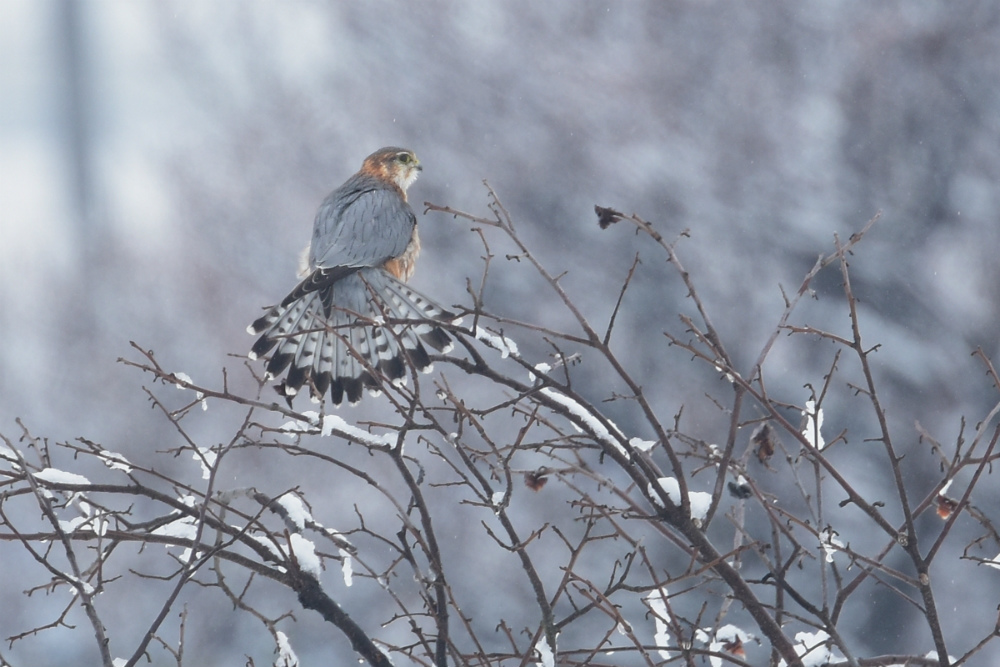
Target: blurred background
[(161, 163)]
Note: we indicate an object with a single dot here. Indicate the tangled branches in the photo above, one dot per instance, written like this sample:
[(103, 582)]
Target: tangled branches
[(492, 513)]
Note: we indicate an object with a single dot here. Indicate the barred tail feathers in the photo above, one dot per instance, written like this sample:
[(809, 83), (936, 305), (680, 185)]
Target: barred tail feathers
[(333, 340), (410, 304)]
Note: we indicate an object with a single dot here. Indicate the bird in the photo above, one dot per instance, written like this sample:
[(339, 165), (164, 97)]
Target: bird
[(353, 322)]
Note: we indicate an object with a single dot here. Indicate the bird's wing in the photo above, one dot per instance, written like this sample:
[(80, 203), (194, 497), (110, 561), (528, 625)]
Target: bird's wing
[(361, 227)]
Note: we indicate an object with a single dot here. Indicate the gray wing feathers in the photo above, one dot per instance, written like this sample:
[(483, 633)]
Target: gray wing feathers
[(362, 223)]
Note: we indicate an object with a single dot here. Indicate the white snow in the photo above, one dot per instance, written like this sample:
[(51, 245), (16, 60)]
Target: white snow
[(305, 555), (299, 426), (7, 453), (814, 422), (333, 422), (286, 656), (700, 504), (87, 588), (584, 415), (266, 543), (347, 568), (95, 523), (183, 528), (830, 544), (700, 501), (115, 461), (719, 367), (657, 604), (670, 485), (501, 343), (186, 529), (184, 377), (811, 648), (545, 652), (542, 369), (933, 655), (82, 505), (206, 457), (642, 445), (73, 524), (57, 476), (297, 512)]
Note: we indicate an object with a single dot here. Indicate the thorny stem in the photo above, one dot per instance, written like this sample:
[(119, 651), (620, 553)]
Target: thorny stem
[(908, 540)]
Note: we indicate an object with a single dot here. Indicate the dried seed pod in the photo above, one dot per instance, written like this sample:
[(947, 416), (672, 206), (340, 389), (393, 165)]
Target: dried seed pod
[(763, 439), (536, 479), (946, 506)]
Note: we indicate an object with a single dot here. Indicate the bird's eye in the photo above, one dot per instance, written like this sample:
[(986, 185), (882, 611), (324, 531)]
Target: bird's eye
[(404, 158)]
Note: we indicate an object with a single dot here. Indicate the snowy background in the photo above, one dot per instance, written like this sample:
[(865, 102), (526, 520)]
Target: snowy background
[(161, 162)]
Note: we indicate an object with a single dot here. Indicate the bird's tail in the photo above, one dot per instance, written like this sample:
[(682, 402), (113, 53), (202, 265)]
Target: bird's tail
[(349, 334)]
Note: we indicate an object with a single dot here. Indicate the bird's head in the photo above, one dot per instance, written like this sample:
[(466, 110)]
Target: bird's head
[(396, 165)]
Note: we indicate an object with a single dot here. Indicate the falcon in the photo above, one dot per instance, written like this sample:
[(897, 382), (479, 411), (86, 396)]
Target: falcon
[(353, 322)]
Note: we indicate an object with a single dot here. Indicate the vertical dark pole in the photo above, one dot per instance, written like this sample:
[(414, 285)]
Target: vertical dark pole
[(74, 113), (74, 120)]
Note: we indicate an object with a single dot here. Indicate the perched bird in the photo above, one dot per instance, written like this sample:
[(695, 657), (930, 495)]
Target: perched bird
[(353, 322)]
